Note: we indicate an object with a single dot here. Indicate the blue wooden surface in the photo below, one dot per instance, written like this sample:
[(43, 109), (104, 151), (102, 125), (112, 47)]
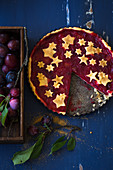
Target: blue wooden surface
[(93, 151)]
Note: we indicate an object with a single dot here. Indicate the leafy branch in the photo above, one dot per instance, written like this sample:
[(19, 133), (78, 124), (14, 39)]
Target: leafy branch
[(35, 150)]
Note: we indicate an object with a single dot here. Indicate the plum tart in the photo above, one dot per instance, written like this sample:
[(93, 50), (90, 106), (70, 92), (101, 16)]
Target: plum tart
[(66, 52)]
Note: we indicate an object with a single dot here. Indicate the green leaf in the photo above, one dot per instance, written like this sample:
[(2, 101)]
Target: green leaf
[(71, 144), (38, 147), (2, 102), (1, 95), (4, 115), (22, 156), (57, 146), (59, 140), (32, 152), (1, 108)]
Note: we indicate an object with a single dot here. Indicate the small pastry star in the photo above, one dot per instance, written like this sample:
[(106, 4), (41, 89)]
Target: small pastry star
[(42, 79), (48, 93), (92, 62), (40, 64), (90, 43), (68, 54), (81, 42), (83, 59), (52, 45), (78, 51), (56, 61), (92, 75), (90, 50), (56, 85), (59, 100), (58, 79), (103, 79), (103, 63), (68, 39), (49, 67), (98, 50), (65, 45)]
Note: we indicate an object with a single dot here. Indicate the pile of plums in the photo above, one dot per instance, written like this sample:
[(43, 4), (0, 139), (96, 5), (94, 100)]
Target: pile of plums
[(9, 66)]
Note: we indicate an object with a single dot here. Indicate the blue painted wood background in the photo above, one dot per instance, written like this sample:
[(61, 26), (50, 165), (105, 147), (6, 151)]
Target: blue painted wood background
[(93, 151)]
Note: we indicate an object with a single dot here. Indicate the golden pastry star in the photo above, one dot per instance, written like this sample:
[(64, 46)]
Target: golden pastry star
[(92, 61), (90, 50), (68, 39), (56, 85), (98, 50), (56, 61), (68, 54), (40, 64), (49, 67), (83, 59), (90, 43), (65, 45), (103, 79), (92, 75), (48, 93), (81, 42), (78, 51), (103, 63), (52, 45), (42, 79), (49, 52), (59, 100), (58, 79)]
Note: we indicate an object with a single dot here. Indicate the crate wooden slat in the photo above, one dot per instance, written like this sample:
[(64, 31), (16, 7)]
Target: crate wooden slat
[(16, 134)]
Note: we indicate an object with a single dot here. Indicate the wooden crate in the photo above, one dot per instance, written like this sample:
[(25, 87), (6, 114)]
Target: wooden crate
[(16, 134)]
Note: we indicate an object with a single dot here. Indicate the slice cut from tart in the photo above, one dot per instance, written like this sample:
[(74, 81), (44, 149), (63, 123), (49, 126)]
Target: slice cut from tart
[(63, 52)]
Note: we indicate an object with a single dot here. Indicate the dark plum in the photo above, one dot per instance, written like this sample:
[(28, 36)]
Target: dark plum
[(11, 76), (46, 120), (10, 85), (13, 45), (4, 38), (2, 81), (33, 130), (14, 92), (11, 61), (1, 61), (14, 103), (3, 50), (11, 112), (5, 69)]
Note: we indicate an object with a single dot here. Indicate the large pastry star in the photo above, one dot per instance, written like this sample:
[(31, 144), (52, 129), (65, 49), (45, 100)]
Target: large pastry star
[(48, 52), (56, 61), (92, 75), (68, 39), (40, 64), (56, 85), (48, 93), (49, 67), (83, 59), (78, 51), (103, 79), (92, 62), (59, 100), (58, 79), (90, 50), (81, 42), (103, 63), (42, 79), (68, 54)]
